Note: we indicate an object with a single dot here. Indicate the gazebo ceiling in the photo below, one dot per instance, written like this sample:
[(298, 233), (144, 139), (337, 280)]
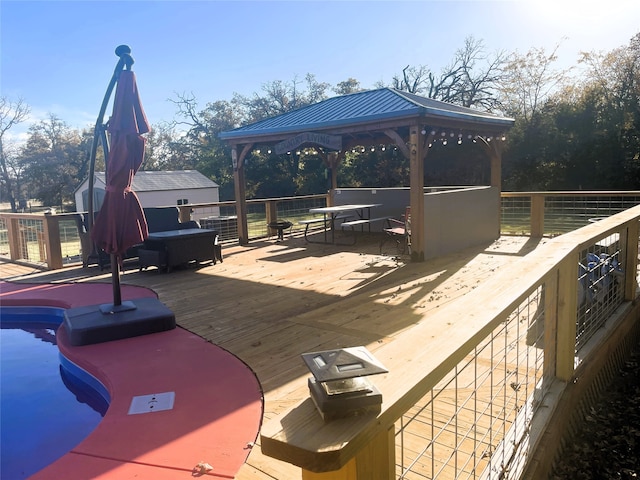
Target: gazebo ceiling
[(364, 116)]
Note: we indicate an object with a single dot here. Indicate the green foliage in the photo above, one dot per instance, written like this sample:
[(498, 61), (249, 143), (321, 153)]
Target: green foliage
[(584, 136), (53, 157)]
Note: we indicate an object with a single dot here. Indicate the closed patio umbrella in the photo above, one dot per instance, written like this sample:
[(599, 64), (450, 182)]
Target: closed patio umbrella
[(121, 223)]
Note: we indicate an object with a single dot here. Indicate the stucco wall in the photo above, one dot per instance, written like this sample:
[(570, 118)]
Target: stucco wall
[(455, 217)]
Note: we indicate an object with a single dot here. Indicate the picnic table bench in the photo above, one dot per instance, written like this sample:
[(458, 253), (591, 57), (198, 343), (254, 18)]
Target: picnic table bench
[(351, 225), (324, 220)]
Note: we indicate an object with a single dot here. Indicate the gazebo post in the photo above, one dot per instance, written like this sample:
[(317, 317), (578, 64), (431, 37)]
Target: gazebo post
[(333, 160), (240, 188), (416, 193), (494, 152)]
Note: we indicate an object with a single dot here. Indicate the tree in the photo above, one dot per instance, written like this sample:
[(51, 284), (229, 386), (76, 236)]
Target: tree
[(351, 85), (470, 80), (281, 97), (612, 93), (53, 155), (11, 169), (529, 80), (198, 146), (531, 93)]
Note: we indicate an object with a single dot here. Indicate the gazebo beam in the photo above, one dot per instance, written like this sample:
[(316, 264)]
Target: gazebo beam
[(399, 142)]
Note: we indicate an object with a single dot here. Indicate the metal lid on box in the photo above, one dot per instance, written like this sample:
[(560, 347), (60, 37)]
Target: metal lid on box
[(330, 365)]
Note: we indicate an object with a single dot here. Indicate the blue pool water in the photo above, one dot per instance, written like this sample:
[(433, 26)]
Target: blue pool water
[(48, 404)]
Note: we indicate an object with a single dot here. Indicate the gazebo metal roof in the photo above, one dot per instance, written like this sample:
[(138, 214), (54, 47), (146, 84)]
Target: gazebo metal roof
[(369, 107)]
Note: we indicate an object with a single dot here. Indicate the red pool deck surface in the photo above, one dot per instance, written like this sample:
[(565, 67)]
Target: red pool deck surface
[(218, 401)]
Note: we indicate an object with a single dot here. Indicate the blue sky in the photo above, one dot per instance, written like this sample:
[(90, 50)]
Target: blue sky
[(59, 55)]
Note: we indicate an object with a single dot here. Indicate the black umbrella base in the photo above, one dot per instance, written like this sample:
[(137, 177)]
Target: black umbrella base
[(88, 325)]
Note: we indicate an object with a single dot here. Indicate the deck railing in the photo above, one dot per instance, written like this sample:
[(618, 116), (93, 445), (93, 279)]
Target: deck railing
[(554, 213), (49, 241), (471, 389), (53, 241)]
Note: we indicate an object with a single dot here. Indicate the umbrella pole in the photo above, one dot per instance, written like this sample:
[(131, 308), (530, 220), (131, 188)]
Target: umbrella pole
[(115, 280), (118, 305)]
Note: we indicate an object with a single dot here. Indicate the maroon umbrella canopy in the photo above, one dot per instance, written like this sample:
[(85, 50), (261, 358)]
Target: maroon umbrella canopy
[(121, 223)]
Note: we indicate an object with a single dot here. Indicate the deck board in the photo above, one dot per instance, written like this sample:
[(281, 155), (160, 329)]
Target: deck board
[(271, 301)]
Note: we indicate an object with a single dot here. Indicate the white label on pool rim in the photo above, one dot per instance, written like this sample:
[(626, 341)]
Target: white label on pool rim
[(156, 402)]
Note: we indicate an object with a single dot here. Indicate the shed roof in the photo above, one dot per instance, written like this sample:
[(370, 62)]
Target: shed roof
[(368, 107), (151, 181)]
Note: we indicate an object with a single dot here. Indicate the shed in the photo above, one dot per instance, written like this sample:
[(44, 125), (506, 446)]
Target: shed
[(373, 117), (159, 189)]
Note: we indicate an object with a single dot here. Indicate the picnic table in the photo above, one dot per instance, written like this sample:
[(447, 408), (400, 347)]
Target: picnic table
[(339, 212)]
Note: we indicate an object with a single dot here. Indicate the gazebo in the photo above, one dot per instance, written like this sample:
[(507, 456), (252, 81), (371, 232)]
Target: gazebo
[(368, 118)]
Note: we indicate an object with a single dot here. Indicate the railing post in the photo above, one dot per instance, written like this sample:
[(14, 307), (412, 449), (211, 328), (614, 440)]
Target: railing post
[(567, 314), (550, 324), (271, 211), (13, 232), (629, 261), (376, 461), (537, 215), (52, 241)]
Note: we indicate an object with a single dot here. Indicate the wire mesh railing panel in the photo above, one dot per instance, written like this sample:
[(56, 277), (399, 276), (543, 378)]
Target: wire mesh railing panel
[(225, 223), (294, 210), (31, 241), (471, 421), (257, 220), (70, 241), (600, 286), (569, 212), (515, 215)]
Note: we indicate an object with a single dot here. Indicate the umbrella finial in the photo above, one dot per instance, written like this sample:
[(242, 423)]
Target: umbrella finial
[(124, 52)]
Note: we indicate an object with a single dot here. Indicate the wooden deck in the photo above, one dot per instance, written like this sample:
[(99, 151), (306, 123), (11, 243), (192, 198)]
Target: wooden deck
[(269, 302)]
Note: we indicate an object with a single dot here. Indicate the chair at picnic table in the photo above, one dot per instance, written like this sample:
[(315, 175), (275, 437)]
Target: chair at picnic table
[(400, 231)]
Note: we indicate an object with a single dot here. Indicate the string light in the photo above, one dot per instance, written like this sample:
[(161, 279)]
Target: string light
[(269, 151)]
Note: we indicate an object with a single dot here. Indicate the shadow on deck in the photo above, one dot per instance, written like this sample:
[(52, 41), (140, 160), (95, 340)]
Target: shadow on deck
[(269, 302)]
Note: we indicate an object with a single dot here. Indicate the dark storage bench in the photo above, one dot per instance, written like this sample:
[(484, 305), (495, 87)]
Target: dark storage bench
[(171, 242), (177, 247)]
